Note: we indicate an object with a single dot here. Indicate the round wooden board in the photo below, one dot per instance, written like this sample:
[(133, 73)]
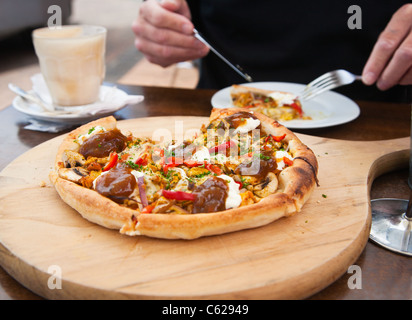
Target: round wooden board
[(43, 238)]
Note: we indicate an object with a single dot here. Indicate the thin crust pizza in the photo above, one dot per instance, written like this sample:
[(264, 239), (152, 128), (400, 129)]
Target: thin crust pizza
[(278, 105), (243, 170)]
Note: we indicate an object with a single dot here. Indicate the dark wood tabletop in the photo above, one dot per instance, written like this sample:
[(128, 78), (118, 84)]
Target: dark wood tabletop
[(385, 275)]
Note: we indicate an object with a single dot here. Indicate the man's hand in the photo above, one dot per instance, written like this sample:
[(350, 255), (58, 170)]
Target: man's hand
[(391, 59), (164, 33)]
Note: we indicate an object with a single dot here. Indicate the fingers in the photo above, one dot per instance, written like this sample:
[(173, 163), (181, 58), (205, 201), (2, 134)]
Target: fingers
[(153, 13), (397, 66), (391, 57), (164, 33), (178, 6), (164, 36), (165, 55)]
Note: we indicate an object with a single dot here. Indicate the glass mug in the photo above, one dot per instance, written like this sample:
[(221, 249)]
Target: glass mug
[(72, 62)]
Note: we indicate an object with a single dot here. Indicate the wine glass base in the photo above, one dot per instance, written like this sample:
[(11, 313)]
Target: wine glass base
[(390, 227)]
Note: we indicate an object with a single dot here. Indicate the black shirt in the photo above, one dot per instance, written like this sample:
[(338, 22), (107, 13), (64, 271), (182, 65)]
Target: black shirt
[(291, 41)]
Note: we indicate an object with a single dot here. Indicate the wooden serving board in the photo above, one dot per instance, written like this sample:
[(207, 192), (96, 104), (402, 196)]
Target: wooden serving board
[(292, 258)]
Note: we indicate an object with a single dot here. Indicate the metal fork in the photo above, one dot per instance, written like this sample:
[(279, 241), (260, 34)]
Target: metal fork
[(328, 81)]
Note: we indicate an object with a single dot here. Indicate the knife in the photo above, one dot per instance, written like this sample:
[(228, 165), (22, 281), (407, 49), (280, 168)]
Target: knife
[(237, 68)]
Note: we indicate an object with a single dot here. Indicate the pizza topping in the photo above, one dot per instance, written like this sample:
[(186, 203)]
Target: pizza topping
[(201, 155), (283, 159), (282, 98), (92, 130), (222, 148), (287, 161), (137, 152), (275, 138), (141, 161), (117, 184), (142, 189), (243, 121), (213, 168), (73, 159), (73, 174), (283, 106), (259, 165), (148, 209), (249, 125), (267, 187), (112, 161), (98, 177), (178, 195), (211, 196), (103, 143), (233, 198), (298, 108)]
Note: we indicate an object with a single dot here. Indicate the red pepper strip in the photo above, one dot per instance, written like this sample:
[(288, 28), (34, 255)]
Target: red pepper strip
[(178, 195), (279, 138), (213, 168), (192, 163), (208, 166), (276, 138), (112, 161), (298, 108), (148, 209), (142, 160), (172, 162), (287, 161), (222, 147)]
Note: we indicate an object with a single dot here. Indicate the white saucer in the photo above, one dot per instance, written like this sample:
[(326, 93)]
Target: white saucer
[(111, 99)]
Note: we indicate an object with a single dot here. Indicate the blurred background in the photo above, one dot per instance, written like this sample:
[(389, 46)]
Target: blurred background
[(124, 64)]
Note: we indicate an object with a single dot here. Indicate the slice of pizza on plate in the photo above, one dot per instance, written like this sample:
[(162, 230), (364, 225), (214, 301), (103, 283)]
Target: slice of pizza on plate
[(278, 105)]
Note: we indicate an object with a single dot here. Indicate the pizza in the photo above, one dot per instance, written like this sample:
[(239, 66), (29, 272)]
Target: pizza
[(242, 170), (278, 105)]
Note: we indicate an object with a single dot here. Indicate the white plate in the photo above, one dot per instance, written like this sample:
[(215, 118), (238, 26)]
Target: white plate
[(326, 110), (111, 98)]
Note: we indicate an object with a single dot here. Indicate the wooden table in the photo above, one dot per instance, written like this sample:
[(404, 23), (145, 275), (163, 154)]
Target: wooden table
[(385, 275)]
